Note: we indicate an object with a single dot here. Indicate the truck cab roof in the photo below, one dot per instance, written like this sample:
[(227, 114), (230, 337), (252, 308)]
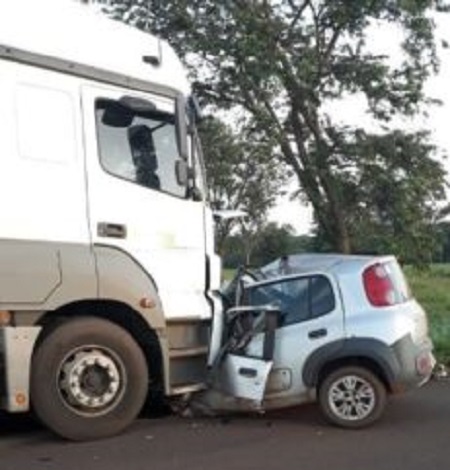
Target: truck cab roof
[(65, 35)]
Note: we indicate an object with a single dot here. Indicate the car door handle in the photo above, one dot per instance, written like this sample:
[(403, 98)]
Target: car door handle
[(109, 230), (248, 372), (315, 334)]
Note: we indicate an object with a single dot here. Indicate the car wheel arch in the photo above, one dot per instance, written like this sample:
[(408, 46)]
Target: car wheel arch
[(370, 353)]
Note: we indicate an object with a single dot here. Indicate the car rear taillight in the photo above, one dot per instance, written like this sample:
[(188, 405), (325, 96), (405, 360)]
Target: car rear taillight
[(379, 288)]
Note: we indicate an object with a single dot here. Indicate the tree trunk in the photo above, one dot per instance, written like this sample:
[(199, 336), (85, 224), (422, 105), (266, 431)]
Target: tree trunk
[(340, 237), (344, 243)]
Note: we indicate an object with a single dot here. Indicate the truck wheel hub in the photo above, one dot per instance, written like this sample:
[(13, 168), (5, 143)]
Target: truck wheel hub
[(90, 379)]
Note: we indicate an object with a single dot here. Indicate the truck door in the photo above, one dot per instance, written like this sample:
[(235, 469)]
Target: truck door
[(137, 205)]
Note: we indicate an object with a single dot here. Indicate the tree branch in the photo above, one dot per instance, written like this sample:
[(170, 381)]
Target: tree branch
[(297, 16)]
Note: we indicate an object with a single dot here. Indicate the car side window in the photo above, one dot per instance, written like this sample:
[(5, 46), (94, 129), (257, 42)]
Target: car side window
[(298, 299), (321, 295), (140, 147)]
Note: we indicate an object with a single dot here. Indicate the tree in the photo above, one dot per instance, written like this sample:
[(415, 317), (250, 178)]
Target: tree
[(282, 61), (271, 241), (134, 12), (390, 198), (242, 175)]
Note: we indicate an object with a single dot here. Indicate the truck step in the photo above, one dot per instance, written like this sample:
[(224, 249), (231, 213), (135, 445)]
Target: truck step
[(188, 352), (184, 389)]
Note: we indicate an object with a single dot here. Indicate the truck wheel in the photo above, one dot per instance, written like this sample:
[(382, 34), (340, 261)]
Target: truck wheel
[(89, 379), (352, 397)]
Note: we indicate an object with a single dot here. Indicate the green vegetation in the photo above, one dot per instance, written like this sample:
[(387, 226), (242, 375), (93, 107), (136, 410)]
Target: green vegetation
[(228, 274), (432, 289)]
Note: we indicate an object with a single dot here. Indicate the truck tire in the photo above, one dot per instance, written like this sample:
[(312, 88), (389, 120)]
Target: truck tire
[(89, 379), (352, 397)]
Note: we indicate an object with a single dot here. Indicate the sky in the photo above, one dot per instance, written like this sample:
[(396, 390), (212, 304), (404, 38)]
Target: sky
[(438, 120)]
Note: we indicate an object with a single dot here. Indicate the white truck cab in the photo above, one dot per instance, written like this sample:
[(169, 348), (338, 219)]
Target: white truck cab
[(106, 238)]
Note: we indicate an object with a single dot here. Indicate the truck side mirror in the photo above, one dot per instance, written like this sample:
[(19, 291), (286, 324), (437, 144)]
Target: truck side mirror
[(182, 172), (181, 127)]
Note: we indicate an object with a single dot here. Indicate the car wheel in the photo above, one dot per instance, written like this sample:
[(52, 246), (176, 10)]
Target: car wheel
[(352, 397), (89, 379)]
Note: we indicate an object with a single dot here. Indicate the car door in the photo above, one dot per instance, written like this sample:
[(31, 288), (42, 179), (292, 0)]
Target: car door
[(241, 374), (136, 202), (311, 316)]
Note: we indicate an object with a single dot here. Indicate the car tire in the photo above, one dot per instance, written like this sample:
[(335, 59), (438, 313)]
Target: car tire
[(352, 397), (89, 379)]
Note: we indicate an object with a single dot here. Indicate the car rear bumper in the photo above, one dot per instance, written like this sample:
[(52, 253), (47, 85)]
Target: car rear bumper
[(415, 363)]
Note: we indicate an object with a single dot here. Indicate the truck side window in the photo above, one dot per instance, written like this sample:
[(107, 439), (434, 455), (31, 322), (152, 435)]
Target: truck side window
[(298, 299), (140, 147)]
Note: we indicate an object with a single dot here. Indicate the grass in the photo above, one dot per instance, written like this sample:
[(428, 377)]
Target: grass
[(432, 289), (228, 274)]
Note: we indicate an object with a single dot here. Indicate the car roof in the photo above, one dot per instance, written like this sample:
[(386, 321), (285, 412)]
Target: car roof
[(319, 262)]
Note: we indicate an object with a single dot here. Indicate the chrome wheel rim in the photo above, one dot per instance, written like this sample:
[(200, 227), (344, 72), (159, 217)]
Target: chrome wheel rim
[(91, 380), (352, 398)]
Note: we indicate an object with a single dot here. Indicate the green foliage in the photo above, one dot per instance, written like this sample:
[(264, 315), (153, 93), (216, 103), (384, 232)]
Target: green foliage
[(134, 12), (270, 242), (442, 242), (431, 288), (242, 175), (389, 188)]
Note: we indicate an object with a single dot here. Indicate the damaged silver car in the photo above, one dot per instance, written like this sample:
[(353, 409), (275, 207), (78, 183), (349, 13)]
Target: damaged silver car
[(341, 330)]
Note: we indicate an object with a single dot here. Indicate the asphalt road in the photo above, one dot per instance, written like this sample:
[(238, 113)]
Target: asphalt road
[(413, 434)]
